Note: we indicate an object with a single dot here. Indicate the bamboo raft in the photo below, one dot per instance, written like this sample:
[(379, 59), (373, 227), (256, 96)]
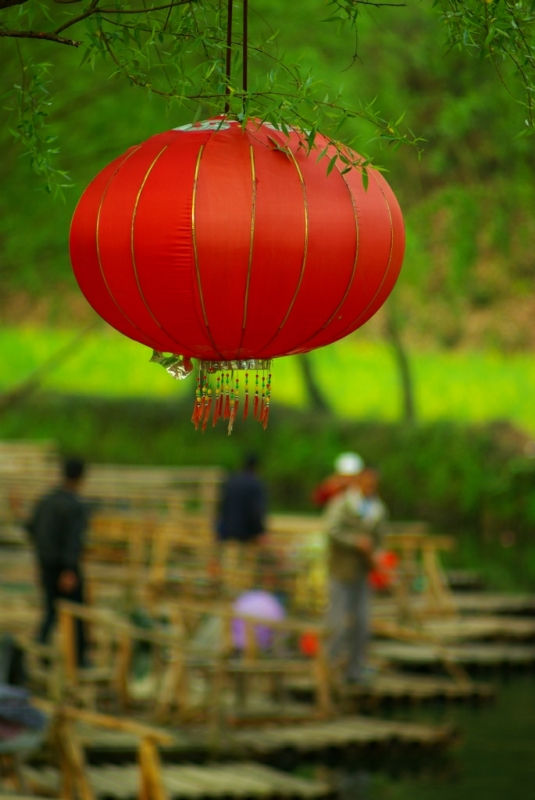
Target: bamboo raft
[(137, 760), (479, 628), (151, 548), (469, 603), (488, 656), (464, 580), (286, 745), (187, 781), (404, 689), (493, 603)]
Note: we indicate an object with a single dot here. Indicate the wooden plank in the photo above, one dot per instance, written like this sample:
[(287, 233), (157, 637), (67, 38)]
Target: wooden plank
[(216, 782), (341, 732), (494, 603), (466, 654), (228, 780), (20, 797), (394, 686), (281, 783), (120, 782), (480, 627), (178, 783)]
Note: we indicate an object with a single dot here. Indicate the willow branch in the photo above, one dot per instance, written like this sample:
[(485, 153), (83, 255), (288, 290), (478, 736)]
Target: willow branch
[(49, 37), (213, 40), (9, 3), (91, 10), (145, 10), (378, 5)]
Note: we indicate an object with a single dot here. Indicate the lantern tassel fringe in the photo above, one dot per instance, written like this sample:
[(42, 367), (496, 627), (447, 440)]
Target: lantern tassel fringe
[(222, 401), (207, 408)]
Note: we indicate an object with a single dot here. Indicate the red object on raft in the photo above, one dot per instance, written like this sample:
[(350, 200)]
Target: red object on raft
[(382, 577), (230, 244), (309, 644)]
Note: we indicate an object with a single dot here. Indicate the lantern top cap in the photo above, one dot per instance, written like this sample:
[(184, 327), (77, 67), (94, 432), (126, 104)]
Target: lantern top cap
[(212, 124), (223, 123)]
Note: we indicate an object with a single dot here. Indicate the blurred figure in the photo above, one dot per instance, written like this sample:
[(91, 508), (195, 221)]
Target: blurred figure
[(57, 529), (355, 523), (241, 526), (242, 507), (346, 466)]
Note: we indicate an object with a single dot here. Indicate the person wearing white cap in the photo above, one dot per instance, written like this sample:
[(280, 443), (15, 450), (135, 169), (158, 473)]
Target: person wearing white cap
[(346, 467), (348, 464), (355, 522)]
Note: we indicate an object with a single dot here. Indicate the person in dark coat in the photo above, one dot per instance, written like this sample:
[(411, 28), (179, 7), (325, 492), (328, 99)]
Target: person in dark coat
[(57, 528), (242, 507)]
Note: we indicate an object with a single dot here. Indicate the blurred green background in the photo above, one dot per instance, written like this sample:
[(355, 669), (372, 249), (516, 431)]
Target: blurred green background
[(461, 318)]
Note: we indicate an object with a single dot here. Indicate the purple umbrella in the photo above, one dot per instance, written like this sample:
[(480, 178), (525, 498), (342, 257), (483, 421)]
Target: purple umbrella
[(262, 605)]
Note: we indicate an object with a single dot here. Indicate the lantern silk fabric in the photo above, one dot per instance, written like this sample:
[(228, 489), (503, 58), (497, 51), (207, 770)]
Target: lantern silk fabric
[(220, 242)]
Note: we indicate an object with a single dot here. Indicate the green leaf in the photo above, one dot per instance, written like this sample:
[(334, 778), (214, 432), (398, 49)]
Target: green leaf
[(86, 56), (331, 164)]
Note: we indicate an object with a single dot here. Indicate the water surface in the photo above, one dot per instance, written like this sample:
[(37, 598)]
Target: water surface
[(495, 759)]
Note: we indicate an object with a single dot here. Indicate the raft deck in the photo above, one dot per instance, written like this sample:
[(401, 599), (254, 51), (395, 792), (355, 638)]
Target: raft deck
[(494, 603), (403, 689), (288, 745), (188, 781), (490, 656)]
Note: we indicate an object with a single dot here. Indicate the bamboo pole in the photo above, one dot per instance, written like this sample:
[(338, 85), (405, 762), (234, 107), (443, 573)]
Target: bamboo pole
[(152, 787)]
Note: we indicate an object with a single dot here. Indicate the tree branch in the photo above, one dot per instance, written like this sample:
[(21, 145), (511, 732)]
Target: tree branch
[(91, 10), (403, 364), (316, 400), (9, 3), (50, 37), (144, 10), (379, 5), (26, 387), (376, 4)]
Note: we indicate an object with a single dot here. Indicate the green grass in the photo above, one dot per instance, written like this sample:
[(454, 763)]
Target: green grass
[(358, 376)]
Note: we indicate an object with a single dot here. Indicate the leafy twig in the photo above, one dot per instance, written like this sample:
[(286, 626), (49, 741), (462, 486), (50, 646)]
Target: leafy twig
[(43, 35)]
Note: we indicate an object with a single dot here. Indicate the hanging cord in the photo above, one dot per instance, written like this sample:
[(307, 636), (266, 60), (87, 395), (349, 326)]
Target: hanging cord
[(229, 50), (229, 55), (245, 34)]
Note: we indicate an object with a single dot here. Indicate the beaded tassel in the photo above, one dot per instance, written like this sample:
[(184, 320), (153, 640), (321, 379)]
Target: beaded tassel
[(226, 413), (256, 398), (246, 401), (265, 417), (217, 393), (263, 399), (265, 414), (218, 398), (207, 407), (234, 403), (203, 397), (197, 410)]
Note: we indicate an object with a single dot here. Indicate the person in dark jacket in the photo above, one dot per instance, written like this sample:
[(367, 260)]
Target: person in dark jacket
[(242, 508), (57, 529)]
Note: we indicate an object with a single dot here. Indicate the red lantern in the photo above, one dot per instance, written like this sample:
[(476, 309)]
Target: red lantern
[(234, 246)]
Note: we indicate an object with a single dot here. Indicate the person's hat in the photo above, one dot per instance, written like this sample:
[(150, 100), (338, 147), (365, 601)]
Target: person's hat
[(349, 464)]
